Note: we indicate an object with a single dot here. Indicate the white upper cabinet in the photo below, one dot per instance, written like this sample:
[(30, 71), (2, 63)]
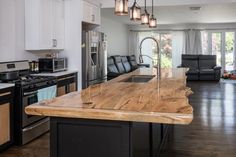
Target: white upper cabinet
[(44, 24), (91, 13)]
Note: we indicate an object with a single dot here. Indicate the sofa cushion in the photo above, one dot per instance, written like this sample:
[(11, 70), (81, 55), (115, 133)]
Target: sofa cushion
[(207, 71), (119, 64), (192, 72), (111, 67), (132, 61), (192, 64), (207, 61), (190, 57), (126, 64)]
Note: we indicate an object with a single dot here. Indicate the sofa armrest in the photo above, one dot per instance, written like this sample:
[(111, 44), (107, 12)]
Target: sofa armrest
[(217, 68)]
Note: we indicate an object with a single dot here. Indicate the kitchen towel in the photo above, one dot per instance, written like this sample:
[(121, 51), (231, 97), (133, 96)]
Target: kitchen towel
[(47, 93)]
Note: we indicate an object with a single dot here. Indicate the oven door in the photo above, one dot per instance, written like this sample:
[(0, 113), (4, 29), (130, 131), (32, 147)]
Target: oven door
[(29, 98), (33, 97)]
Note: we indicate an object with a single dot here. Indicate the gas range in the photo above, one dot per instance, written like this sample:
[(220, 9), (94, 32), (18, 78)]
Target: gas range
[(28, 90), (32, 81)]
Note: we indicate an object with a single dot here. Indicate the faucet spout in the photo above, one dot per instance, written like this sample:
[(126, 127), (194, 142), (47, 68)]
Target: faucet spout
[(158, 66)]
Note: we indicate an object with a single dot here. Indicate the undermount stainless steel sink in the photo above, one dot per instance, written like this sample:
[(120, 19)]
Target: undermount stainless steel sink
[(139, 78)]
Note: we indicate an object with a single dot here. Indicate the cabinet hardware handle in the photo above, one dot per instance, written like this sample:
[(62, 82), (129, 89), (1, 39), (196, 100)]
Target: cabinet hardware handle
[(30, 93), (4, 94), (54, 42), (93, 18), (35, 126)]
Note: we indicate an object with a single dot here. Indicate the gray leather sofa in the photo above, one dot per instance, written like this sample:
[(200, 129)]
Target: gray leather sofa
[(201, 67)]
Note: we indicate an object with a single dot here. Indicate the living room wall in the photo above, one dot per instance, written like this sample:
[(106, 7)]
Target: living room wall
[(117, 36)]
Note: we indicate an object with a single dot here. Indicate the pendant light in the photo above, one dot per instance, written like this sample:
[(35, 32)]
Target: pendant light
[(145, 16), (153, 20), (135, 12), (121, 7)]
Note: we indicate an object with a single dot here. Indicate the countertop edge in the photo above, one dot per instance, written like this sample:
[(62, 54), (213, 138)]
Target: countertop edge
[(150, 117)]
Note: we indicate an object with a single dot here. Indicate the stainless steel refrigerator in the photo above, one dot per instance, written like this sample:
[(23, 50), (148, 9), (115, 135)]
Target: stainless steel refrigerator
[(94, 58)]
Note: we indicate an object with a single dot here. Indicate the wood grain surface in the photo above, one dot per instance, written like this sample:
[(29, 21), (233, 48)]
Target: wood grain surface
[(162, 100)]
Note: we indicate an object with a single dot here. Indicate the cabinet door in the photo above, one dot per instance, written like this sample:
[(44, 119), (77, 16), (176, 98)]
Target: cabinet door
[(91, 13), (5, 123), (72, 87), (61, 90), (87, 12), (46, 24), (96, 15), (58, 24)]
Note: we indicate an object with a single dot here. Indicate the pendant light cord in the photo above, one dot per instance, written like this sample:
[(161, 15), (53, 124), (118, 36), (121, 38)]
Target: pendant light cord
[(145, 4), (152, 7)]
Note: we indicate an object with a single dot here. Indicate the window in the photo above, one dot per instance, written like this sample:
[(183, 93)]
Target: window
[(216, 46), (150, 48), (229, 50), (222, 44)]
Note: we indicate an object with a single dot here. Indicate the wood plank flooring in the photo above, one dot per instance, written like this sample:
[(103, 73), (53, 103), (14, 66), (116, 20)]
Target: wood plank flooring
[(213, 130), (37, 148), (211, 134)]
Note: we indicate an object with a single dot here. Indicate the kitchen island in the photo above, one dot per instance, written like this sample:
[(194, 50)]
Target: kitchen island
[(126, 117)]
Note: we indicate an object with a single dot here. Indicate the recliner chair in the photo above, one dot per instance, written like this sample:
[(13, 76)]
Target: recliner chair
[(126, 64), (119, 64), (133, 63), (112, 70), (191, 61), (201, 67), (208, 68)]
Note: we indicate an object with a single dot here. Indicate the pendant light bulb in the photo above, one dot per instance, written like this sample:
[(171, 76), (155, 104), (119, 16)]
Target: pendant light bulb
[(135, 12), (152, 20), (121, 7), (145, 16)]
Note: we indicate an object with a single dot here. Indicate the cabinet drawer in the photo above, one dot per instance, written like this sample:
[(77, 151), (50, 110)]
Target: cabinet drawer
[(72, 87), (6, 94), (61, 81), (5, 123), (61, 90)]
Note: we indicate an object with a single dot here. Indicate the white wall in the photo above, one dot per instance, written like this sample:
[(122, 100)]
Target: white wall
[(117, 36), (73, 19), (12, 31)]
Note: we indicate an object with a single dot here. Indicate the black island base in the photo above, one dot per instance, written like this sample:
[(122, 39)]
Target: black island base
[(103, 138)]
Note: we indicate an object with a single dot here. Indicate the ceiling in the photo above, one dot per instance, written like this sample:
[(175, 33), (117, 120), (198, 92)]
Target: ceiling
[(110, 3), (178, 14)]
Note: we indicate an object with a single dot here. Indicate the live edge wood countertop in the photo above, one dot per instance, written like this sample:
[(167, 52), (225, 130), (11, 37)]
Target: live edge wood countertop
[(162, 100)]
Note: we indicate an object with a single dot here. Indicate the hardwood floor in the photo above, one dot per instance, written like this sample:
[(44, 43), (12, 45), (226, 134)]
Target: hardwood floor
[(211, 134), (37, 148), (213, 130)]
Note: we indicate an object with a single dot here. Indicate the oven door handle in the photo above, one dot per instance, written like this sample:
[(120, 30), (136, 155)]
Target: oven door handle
[(30, 93)]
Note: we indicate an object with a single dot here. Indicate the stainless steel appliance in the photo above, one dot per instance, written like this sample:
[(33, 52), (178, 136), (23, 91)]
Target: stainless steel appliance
[(94, 58), (28, 90), (52, 64)]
